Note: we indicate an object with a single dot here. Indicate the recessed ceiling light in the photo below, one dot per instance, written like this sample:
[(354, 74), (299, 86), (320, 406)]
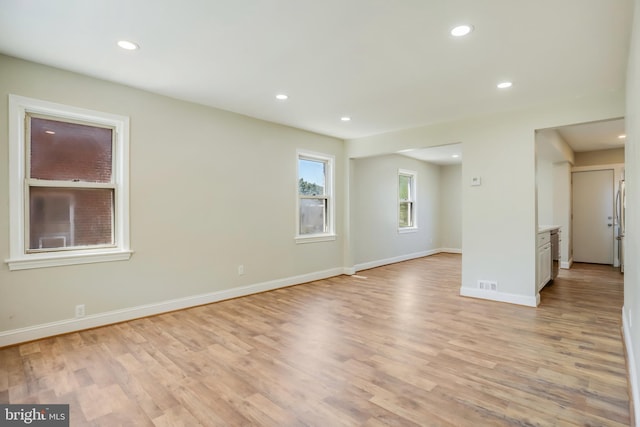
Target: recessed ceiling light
[(282, 97), (623, 136), (504, 85), (50, 132), (455, 156), (345, 118), (461, 30), (127, 45)]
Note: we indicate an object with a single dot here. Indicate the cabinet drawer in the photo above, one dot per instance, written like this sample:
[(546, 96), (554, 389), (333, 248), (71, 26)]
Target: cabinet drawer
[(543, 238)]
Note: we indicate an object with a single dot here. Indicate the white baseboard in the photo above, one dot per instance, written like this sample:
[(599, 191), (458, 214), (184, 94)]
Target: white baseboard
[(393, 260), (566, 264), (349, 271), (530, 301), (631, 362), (450, 250), (35, 332)]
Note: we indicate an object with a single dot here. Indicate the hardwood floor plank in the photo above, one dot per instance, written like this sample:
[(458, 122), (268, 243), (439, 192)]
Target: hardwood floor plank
[(177, 416), (395, 346), (410, 410)]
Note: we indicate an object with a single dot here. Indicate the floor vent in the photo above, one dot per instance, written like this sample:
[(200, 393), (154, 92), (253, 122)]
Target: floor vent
[(488, 285)]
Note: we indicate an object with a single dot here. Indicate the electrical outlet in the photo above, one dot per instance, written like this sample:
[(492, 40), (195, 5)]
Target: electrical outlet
[(240, 270), (80, 310)]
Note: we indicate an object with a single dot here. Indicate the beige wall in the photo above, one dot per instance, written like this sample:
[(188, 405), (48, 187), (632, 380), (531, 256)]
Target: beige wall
[(451, 207), (209, 190), (189, 163), (631, 310), (374, 210), (562, 210), (499, 216), (544, 186), (374, 194), (599, 157), (554, 158), (553, 188)]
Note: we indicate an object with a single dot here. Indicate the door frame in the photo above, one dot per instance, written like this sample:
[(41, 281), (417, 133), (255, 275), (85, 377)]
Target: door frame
[(618, 174)]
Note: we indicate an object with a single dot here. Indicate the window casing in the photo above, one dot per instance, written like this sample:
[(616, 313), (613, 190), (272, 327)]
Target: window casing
[(315, 202), (68, 185), (407, 201)]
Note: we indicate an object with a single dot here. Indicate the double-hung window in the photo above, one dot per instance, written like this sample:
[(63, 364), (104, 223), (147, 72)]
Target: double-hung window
[(406, 200), (315, 217), (69, 189)]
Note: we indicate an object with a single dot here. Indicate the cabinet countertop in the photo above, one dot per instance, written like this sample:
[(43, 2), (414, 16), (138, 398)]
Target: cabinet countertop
[(545, 228)]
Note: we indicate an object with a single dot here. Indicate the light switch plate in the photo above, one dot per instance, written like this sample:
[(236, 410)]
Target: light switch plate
[(475, 181)]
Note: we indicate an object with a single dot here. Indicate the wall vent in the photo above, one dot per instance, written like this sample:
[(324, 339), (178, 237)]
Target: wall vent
[(488, 285)]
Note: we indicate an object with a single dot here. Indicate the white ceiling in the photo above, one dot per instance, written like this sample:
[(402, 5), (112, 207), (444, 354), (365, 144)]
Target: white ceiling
[(440, 155), (601, 135), (594, 136), (388, 64)]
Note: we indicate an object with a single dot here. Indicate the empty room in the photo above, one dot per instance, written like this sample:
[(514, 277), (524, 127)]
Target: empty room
[(336, 213)]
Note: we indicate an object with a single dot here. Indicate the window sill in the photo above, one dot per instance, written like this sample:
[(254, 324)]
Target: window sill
[(405, 230), (58, 259), (312, 238)]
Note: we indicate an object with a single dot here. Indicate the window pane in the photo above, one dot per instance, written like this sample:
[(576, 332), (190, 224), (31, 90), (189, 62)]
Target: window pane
[(69, 151), (61, 217), (311, 180), (405, 214), (405, 185), (312, 216)]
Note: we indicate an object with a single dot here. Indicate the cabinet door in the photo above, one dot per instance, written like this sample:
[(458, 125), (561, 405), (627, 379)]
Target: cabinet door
[(545, 265), (539, 273)]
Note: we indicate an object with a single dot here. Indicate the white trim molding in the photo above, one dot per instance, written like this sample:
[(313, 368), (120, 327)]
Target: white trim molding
[(400, 258), (411, 198), (393, 260), (35, 332), (610, 166), (451, 250), (329, 161), (631, 364), (566, 264), (57, 259), (314, 238), (20, 257), (529, 301), (404, 230), (349, 271)]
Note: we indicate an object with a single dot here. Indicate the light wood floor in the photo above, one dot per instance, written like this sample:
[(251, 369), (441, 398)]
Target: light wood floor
[(400, 347)]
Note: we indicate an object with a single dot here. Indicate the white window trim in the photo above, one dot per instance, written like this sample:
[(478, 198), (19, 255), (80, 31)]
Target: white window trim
[(330, 234), (414, 178), (19, 259)]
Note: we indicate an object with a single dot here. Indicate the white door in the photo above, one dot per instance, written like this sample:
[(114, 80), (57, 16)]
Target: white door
[(593, 216)]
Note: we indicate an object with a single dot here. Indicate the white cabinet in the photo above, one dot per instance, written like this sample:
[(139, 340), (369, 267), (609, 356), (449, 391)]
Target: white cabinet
[(544, 265), (544, 260)]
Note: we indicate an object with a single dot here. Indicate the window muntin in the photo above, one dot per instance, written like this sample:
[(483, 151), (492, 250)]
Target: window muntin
[(406, 199), (69, 172), (315, 192)]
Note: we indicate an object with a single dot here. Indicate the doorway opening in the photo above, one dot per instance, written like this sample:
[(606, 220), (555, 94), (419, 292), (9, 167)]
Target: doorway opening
[(575, 153)]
